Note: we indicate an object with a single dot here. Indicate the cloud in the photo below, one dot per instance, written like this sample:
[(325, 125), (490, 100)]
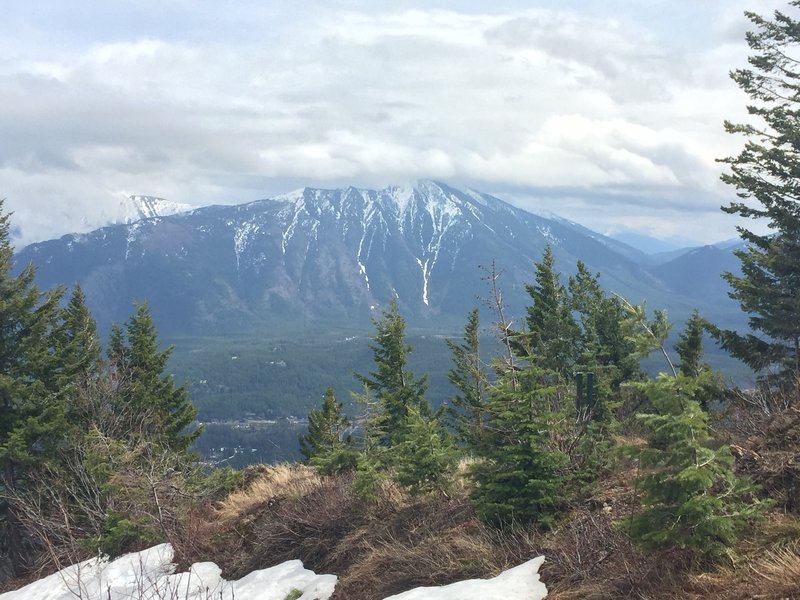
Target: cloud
[(203, 104)]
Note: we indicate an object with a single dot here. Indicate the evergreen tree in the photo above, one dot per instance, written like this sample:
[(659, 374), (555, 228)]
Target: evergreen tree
[(468, 409), (144, 391), (78, 348), (690, 350), (325, 444), (692, 497), (395, 388), (690, 346), (765, 175), (551, 336), (521, 477), (31, 413), (605, 344), (426, 456)]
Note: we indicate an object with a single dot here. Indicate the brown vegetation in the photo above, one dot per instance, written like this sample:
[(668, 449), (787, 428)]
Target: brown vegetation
[(399, 541)]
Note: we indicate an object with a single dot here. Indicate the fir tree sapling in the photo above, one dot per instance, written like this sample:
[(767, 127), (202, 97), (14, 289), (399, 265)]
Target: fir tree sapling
[(326, 444), (426, 457), (395, 388), (692, 497), (467, 411)]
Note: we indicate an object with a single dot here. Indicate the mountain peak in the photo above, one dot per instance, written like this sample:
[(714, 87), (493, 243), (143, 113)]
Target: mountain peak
[(137, 207)]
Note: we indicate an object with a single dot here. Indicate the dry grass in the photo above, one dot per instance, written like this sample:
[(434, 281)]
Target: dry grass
[(768, 565), (432, 540), (781, 568), (274, 483), (399, 542)]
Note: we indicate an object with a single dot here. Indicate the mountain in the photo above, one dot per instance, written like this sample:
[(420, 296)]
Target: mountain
[(645, 243), (697, 272), (135, 208), (317, 256)]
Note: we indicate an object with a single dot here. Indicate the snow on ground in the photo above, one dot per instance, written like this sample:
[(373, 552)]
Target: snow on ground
[(519, 583), (149, 575)]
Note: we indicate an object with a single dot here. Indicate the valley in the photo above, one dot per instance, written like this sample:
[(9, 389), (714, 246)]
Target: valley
[(268, 303)]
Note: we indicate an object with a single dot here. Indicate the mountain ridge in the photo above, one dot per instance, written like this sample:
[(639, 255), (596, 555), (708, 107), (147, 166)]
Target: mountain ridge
[(332, 255)]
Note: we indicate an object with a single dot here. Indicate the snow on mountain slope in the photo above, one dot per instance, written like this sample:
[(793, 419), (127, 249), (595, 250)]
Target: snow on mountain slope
[(334, 255), (135, 208)]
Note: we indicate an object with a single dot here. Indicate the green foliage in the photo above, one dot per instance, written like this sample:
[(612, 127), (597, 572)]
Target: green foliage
[(325, 445), (120, 534), (293, 594), (370, 474), (520, 478), (606, 346), (340, 460), (143, 388), (692, 498), (32, 412), (467, 411), (401, 434), (219, 483), (326, 433), (764, 175), (425, 457), (551, 335), (537, 456), (690, 350), (393, 385), (690, 346)]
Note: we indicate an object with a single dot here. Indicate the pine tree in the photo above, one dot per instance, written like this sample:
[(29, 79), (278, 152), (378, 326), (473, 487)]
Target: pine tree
[(425, 456), (79, 350), (520, 477), (765, 175), (468, 406), (395, 388), (144, 391), (31, 413), (690, 350), (551, 335), (605, 345), (690, 346), (326, 444), (692, 497)]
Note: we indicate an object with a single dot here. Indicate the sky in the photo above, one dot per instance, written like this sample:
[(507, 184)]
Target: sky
[(609, 113)]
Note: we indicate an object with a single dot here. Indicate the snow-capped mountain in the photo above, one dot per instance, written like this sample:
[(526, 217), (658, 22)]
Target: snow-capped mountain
[(330, 255), (135, 208)]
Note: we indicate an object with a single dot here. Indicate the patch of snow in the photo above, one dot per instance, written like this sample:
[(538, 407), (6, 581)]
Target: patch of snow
[(135, 208), (548, 234), (133, 231), (299, 206), (424, 267), (150, 575), (519, 583), (293, 196), (241, 238), (401, 196)]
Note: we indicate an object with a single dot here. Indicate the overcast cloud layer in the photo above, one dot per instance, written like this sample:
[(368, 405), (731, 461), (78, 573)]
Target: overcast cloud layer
[(609, 113)]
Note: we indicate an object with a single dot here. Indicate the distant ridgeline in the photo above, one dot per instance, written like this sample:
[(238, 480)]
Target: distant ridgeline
[(323, 258)]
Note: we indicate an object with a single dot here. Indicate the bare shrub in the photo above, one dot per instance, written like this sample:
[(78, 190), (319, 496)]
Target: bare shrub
[(771, 458)]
